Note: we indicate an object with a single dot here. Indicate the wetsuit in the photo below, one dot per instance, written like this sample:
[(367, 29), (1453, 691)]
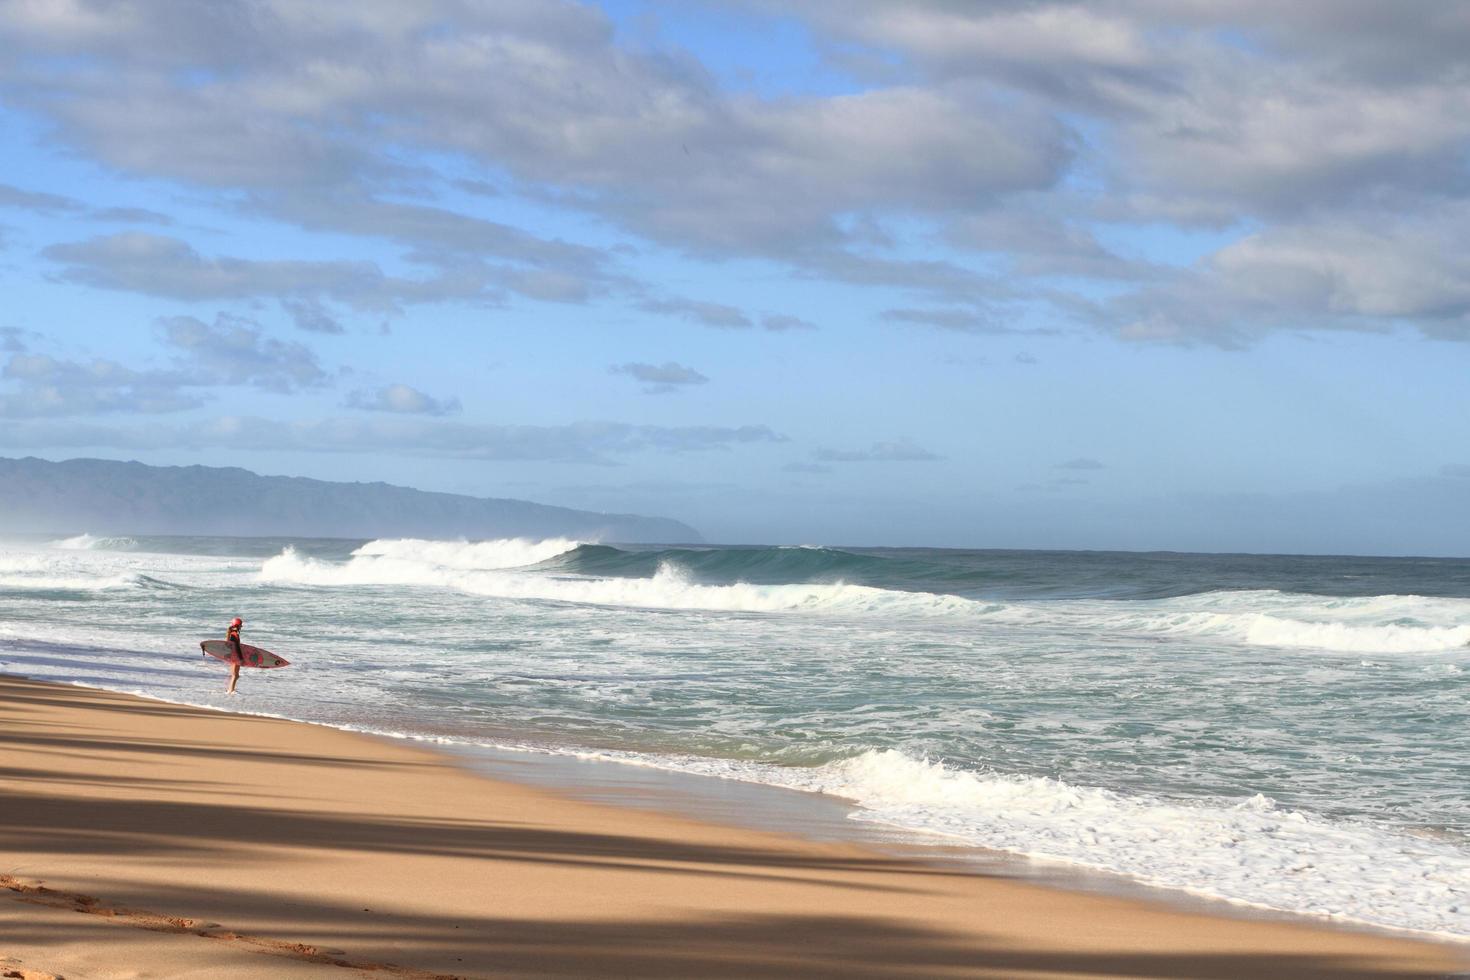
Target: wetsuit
[(232, 637)]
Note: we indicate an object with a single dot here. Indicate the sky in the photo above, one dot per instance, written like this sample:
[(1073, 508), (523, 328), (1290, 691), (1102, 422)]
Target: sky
[(1124, 274)]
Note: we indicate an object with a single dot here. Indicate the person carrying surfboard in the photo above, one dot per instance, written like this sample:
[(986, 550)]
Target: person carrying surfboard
[(238, 654), (232, 637)]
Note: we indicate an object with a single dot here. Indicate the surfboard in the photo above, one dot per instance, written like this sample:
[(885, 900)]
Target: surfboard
[(249, 656)]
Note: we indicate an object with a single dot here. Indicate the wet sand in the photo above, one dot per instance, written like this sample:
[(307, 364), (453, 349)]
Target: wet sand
[(139, 838)]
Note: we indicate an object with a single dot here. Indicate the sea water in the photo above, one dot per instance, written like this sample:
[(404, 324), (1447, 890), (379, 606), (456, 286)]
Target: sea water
[(1288, 732)]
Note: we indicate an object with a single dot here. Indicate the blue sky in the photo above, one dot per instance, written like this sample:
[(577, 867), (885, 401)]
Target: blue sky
[(1111, 275)]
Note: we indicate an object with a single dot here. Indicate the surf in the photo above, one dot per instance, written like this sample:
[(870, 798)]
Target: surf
[(87, 542), (1053, 705), (758, 580), (1250, 851), (670, 587), (39, 572)]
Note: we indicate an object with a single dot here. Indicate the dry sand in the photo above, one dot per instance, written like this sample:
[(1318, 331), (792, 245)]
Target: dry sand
[(141, 839)]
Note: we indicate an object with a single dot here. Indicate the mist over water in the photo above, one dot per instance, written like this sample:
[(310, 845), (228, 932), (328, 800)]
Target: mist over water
[(1287, 731)]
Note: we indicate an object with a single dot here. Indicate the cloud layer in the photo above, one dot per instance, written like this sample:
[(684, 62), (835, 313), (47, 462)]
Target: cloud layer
[(581, 442), (660, 379), (330, 222), (1015, 131)]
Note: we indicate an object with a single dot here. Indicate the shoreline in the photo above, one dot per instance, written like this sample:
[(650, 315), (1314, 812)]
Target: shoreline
[(272, 844), (1074, 732), (824, 817), (593, 775)]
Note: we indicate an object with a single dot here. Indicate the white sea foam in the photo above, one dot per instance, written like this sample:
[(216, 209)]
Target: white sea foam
[(1374, 624), (77, 584), (87, 563), (469, 555), (669, 588), (930, 671), (1249, 851), (1391, 638), (86, 542), (39, 572), (1274, 630), (496, 569)]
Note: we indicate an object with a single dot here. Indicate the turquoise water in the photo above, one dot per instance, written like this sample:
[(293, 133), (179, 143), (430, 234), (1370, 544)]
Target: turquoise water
[(1285, 731)]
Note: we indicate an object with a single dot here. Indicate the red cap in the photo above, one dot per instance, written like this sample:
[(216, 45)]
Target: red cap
[(238, 622)]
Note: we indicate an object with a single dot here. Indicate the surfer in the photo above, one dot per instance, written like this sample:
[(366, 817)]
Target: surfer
[(232, 637)]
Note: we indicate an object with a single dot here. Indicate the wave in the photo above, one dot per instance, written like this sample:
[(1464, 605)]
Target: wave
[(739, 580), (801, 565), (1271, 631), (473, 555), (669, 587), (1369, 624), (86, 542), (10, 583), (1250, 851), (38, 573), (726, 566), (85, 567)]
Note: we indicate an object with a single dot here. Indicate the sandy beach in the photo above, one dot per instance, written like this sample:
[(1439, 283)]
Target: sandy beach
[(143, 839)]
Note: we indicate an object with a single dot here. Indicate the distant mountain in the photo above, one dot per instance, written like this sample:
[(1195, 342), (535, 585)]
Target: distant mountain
[(101, 496)]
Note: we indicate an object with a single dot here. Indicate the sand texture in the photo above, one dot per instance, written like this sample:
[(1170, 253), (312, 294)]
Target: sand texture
[(141, 839)]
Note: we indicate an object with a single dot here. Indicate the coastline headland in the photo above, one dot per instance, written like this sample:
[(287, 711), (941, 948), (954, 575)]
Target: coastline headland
[(109, 497)]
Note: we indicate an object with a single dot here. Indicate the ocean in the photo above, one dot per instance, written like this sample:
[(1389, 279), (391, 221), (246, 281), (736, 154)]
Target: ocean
[(1286, 732)]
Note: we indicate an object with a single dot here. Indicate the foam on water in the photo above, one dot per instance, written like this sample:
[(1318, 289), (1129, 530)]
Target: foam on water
[(1376, 624), (669, 588), (92, 564), (476, 555), (37, 572), (86, 542), (1163, 715), (1271, 631), (498, 569), (1248, 851)]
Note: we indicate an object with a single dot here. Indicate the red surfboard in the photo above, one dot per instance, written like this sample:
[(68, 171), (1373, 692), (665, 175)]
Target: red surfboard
[(249, 656)]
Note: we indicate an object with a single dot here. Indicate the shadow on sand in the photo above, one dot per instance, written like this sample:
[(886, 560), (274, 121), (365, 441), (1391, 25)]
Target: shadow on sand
[(693, 945)]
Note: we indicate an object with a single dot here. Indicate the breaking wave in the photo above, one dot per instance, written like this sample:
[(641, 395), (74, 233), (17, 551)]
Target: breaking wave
[(738, 580), (762, 565), (86, 542), (1371, 624), (669, 587), (1120, 675), (28, 572), (465, 555)]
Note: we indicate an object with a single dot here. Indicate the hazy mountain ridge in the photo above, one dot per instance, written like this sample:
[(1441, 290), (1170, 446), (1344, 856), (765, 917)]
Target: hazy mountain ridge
[(109, 497)]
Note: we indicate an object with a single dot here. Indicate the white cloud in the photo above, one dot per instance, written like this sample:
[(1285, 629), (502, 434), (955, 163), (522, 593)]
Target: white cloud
[(164, 266), (1355, 271), (697, 311), (961, 320), (580, 442), (1009, 130), (402, 399), (233, 350), (228, 353), (312, 316), (304, 96), (663, 378), (40, 386), (784, 321)]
